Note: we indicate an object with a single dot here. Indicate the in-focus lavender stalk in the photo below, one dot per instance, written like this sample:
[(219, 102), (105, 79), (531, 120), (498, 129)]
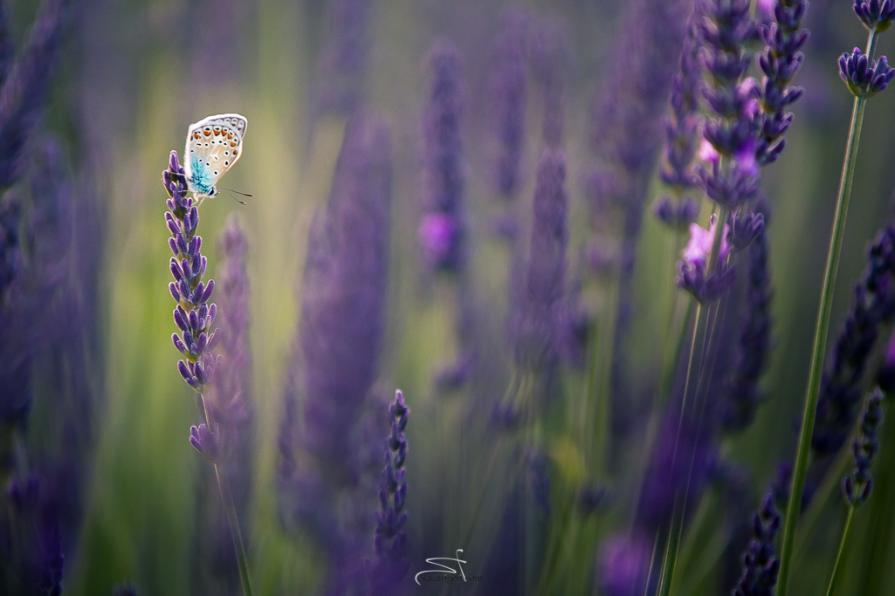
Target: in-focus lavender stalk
[(194, 314), (510, 100), (442, 228), (682, 134), (335, 357), (194, 317), (390, 540), (780, 61), (863, 77)]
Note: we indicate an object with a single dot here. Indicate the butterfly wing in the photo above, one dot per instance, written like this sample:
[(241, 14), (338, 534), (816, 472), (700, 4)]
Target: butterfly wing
[(213, 146)]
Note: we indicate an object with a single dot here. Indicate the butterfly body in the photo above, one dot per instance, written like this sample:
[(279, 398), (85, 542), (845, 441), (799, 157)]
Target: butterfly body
[(213, 146)]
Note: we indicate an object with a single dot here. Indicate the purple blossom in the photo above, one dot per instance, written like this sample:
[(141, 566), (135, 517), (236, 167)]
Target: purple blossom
[(510, 98), (548, 58), (622, 565), (335, 355), (743, 395), (540, 308), (694, 275), (872, 306), (863, 76), (625, 139), (391, 537), (858, 483), (442, 228), (24, 90), (733, 101), (877, 15), (345, 56), (760, 564), (194, 315), (682, 130), (780, 61)]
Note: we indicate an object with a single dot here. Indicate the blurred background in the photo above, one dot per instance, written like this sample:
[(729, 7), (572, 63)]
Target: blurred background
[(126, 80)]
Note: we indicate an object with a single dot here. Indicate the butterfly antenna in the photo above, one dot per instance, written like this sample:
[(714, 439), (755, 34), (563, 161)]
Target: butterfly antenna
[(243, 194)]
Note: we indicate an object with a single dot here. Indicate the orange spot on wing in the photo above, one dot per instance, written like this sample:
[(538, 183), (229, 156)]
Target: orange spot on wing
[(207, 132)]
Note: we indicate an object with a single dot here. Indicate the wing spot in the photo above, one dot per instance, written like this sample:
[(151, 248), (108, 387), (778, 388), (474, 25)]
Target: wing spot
[(226, 163)]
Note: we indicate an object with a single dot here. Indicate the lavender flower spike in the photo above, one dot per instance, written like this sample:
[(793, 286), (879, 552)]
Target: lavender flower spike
[(511, 87), (873, 305), (760, 564), (877, 15), (856, 486), (682, 139), (194, 315), (25, 88), (780, 61), (391, 538), (862, 76), (442, 229), (541, 299)]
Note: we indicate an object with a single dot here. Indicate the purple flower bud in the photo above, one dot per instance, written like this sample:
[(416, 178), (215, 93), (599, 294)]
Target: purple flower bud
[(204, 441), (861, 77), (178, 343), (877, 15)]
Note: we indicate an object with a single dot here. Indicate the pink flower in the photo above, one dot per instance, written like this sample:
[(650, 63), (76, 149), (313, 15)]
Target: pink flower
[(437, 234), (707, 152), (699, 247)]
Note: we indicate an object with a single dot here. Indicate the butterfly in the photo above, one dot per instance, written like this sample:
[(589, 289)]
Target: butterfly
[(213, 146)]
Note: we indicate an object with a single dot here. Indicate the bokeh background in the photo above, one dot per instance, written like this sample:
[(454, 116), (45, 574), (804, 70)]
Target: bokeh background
[(130, 76)]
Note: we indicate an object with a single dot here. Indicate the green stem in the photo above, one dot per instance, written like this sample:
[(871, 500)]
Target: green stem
[(821, 331), (842, 541), (242, 560)]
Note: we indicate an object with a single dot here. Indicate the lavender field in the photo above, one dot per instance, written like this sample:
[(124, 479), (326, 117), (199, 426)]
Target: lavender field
[(394, 297)]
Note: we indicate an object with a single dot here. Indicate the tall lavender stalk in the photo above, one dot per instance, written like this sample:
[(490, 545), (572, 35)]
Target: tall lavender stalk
[(442, 228), (540, 308), (625, 138), (335, 357), (341, 75), (194, 317), (510, 101), (25, 88), (682, 128), (228, 397), (864, 78)]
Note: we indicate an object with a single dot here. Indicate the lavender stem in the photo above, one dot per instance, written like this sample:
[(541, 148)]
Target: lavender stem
[(822, 329), (842, 541), (242, 559)]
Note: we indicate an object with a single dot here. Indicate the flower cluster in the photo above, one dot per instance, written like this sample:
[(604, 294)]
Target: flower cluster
[(872, 306), (863, 76), (391, 539), (441, 230), (733, 101), (511, 86), (760, 564), (682, 139), (194, 315), (755, 338), (780, 61), (857, 485), (877, 15), (694, 275)]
